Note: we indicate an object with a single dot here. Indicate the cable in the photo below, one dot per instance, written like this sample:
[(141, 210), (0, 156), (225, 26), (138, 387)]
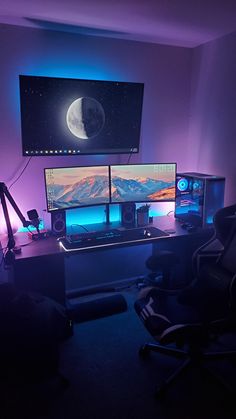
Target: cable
[(130, 154), (25, 244), (79, 225), (21, 173), (168, 213), (4, 250)]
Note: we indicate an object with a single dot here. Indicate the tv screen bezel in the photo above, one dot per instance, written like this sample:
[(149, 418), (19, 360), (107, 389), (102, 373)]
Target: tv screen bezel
[(60, 152), (143, 201), (76, 206)]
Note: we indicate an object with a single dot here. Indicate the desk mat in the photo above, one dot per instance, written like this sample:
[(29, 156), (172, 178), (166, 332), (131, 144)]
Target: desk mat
[(110, 237)]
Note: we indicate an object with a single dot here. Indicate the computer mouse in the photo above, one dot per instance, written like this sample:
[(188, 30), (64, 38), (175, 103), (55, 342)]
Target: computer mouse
[(147, 233)]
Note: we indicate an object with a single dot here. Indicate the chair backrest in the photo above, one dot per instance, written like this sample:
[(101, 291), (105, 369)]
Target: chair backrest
[(224, 222), (227, 259)]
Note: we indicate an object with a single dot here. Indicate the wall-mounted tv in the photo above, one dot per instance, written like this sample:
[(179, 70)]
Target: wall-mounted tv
[(64, 116), (143, 182), (72, 187)]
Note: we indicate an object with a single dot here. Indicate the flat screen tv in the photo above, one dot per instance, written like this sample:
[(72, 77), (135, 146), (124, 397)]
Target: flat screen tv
[(143, 182), (63, 116), (72, 187)]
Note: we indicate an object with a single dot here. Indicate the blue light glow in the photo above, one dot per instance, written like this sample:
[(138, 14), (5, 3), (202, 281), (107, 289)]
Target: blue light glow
[(209, 219), (31, 228), (60, 65), (86, 216), (94, 215)]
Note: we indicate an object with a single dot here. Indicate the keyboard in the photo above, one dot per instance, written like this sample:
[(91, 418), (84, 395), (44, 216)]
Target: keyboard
[(110, 237), (94, 236)]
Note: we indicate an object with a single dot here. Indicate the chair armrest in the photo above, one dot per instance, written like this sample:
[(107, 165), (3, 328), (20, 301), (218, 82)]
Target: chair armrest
[(208, 252), (212, 246)]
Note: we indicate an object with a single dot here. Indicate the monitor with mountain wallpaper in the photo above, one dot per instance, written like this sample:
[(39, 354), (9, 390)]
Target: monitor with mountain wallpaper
[(63, 116), (143, 182), (71, 187)]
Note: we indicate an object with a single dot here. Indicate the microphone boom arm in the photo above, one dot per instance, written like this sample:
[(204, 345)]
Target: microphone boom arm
[(4, 193)]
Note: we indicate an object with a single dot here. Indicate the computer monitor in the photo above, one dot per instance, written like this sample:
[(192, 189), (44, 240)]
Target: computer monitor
[(143, 182), (71, 187), (63, 116)]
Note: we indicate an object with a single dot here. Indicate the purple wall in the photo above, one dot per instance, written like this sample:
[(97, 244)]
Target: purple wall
[(165, 71), (212, 138), (188, 114)]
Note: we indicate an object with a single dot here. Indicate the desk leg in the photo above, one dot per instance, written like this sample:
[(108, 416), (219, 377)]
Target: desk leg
[(44, 275)]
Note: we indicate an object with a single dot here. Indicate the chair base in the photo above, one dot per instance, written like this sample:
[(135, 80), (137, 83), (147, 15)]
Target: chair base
[(190, 360)]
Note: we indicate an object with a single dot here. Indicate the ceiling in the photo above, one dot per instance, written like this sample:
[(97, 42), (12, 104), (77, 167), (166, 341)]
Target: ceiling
[(186, 23)]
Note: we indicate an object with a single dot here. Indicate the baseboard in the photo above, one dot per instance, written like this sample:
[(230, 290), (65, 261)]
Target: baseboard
[(101, 288)]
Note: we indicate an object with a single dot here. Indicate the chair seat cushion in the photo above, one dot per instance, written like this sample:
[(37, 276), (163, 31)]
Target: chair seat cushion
[(147, 309), (204, 301), (159, 312)]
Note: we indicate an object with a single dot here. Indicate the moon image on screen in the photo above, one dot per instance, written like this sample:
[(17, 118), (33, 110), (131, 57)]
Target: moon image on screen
[(85, 117)]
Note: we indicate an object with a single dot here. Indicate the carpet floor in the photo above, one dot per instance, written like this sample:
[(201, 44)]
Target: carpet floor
[(107, 379)]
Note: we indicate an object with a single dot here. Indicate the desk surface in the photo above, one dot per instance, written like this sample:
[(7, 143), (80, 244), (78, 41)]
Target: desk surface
[(40, 267), (51, 246)]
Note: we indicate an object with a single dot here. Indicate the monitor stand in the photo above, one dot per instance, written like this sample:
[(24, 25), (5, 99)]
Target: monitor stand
[(107, 212)]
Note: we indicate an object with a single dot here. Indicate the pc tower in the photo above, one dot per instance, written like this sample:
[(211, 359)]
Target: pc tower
[(198, 197)]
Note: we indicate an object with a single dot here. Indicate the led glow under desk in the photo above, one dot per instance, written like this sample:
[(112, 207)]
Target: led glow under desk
[(40, 267)]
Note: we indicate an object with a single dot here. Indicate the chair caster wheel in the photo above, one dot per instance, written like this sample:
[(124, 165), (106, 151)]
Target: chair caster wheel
[(143, 351)]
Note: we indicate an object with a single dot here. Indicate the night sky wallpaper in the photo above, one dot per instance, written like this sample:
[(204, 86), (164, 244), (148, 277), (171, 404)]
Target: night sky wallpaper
[(73, 116)]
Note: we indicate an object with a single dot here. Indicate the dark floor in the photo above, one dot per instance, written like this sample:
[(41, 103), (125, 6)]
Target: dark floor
[(108, 379)]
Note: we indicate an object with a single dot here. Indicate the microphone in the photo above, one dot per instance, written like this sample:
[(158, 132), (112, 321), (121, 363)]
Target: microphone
[(34, 218)]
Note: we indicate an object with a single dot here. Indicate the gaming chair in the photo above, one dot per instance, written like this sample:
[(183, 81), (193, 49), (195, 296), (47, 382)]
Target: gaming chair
[(186, 325)]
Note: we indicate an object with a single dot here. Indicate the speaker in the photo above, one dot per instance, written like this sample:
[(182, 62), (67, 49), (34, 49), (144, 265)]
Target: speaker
[(127, 214), (198, 197), (58, 223)]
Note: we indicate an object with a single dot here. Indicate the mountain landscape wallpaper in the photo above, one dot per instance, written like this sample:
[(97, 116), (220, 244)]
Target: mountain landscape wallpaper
[(143, 183), (77, 186), (141, 190), (84, 186)]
